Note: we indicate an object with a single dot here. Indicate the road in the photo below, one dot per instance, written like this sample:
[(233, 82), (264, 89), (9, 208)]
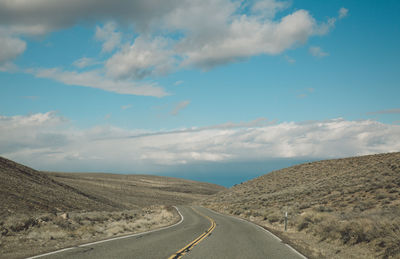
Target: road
[(206, 233), (236, 238)]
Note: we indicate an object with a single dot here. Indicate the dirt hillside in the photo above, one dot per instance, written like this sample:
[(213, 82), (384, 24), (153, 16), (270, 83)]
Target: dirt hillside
[(24, 190), (131, 191), (343, 208)]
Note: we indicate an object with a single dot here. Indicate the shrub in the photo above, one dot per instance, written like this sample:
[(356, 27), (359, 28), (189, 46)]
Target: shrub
[(354, 232), (274, 218), (21, 226), (303, 225)]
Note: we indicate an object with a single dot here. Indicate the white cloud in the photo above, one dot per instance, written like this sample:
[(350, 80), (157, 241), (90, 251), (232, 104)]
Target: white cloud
[(179, 107), (248, 36), (343, 12), (85, 62), (145, 57), (109, 36), (268, 8), (33, 120), (179, 82), (169, 34), (317, 52), (95, 80), (10, 48), (31, 132), (325, 27), (48, 141), (8, 67)]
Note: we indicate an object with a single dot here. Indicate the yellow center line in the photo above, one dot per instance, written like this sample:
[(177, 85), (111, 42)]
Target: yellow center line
[(189, 246)]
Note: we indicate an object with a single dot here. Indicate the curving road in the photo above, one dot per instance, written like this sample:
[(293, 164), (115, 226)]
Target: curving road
[(202, 234), (236, 238)]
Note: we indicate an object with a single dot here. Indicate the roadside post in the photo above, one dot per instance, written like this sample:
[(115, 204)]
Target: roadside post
[(286, 221)]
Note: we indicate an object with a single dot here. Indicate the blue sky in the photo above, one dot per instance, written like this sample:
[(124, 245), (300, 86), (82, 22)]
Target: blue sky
[(165, 86)]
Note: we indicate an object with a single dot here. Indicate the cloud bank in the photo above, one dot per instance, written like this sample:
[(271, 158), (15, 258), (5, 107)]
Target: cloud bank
[(165, 35), (49, 141)]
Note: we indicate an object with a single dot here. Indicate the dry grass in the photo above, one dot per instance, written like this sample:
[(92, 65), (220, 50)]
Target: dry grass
[(24, 190), (27, 235), (344, 208), (130, 191)]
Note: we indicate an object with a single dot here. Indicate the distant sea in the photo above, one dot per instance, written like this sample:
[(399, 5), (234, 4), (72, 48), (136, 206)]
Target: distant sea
[(226, 174), (229, 174)]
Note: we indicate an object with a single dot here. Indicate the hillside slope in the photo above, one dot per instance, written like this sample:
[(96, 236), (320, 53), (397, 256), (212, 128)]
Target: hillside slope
[(24, 190), (138, 190), (343, 208)]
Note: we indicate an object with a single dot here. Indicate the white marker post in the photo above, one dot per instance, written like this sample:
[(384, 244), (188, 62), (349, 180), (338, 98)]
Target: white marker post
[(286, 221)]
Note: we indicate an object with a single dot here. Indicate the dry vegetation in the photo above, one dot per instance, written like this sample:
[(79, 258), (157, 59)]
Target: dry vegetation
[(29, 235), (41, 211), (344, 208), (130, 191)]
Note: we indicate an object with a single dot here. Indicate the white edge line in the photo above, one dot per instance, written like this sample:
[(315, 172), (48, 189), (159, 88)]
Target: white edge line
[(297, 252), (55, 252), (112, 239), (273, 235)]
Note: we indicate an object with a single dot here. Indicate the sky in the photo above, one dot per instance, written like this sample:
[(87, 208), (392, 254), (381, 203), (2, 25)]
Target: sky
[(211, 90)]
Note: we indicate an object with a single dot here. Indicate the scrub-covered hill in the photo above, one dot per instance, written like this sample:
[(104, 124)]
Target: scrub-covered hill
[(24, 190), (343, 208)]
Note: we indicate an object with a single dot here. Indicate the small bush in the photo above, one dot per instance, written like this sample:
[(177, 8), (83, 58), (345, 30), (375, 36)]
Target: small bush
[(304, 206), (63, 224), (322, 209), (274, 218), (21, 226), (237, 212), (303, 225), (355, 232)]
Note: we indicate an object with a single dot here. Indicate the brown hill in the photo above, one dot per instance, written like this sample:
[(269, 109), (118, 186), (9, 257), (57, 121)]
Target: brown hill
[(343, 208), (131, 191), (24, 190)]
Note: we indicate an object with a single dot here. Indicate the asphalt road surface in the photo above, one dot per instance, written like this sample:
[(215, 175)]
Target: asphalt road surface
[(202, 234)]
